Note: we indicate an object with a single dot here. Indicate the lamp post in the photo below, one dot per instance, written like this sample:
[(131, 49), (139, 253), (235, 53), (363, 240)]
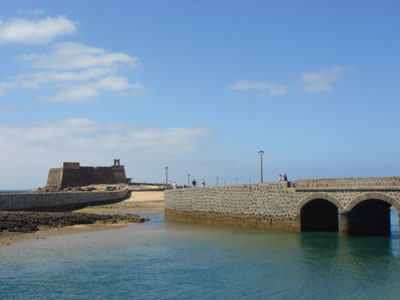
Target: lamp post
[(236, 180), (261, 153), (188, 180), (166, 177)]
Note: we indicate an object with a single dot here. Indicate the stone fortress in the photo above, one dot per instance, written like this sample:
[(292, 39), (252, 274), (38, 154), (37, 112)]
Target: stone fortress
[(350, 206), (72, 174), (56, 196)]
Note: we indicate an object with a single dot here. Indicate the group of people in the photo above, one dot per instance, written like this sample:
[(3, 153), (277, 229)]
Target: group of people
[(282, 177), (194, 183)]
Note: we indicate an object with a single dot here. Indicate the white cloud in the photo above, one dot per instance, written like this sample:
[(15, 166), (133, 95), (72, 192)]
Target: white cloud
[(69, 56), (35, 32), (4, 86), (321, 81), (78, 72), (88, 90), (74, 136), (268, 88)]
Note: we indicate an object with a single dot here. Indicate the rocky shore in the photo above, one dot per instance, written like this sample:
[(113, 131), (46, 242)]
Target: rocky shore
[(28, 221), (16, 226)]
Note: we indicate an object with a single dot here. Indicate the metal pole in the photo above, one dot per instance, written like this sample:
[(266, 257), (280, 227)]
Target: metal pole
[(217, 180), (236, 180), (166, 177), (261, 153), (188, 180)]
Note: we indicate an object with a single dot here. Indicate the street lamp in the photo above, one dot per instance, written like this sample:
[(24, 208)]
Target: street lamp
[(217, 180), (188, 180), (166, 177), (261, 153)]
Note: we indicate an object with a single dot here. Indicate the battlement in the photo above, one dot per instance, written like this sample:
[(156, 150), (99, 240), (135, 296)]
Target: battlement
[(72, 174)]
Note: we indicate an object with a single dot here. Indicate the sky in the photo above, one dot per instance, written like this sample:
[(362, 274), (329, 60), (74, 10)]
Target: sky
[(200, 87)]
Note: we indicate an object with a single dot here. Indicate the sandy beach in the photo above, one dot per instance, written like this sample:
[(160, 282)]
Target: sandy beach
[(139, 201)]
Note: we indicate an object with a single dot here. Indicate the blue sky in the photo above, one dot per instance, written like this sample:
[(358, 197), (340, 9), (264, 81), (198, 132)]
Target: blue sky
[(200, 87)]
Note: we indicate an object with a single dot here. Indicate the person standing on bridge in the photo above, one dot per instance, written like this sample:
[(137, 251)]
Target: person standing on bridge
[(284, 177), (203, 183), (194, 183)]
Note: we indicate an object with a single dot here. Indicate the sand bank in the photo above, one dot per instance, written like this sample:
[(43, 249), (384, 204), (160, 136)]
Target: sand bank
[(146, 201)]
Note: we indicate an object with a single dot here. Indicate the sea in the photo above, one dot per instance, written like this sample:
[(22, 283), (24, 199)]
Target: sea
[(162, 259)]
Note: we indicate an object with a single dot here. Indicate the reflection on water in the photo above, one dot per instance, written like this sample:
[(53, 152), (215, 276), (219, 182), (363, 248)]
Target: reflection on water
[(169, 260)]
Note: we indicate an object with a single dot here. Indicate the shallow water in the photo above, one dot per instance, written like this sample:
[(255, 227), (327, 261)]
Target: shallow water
[(169, 260)]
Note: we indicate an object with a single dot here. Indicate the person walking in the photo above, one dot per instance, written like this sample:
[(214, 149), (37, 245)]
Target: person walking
[(203, 183), (194, 182)]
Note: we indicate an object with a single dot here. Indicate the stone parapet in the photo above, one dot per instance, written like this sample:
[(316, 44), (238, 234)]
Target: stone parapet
[(348, 183)]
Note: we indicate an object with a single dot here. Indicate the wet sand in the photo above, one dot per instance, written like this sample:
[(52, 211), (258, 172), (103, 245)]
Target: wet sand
[(138, 202)]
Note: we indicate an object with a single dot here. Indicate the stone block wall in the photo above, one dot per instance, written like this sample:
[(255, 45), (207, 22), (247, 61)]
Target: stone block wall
[(36, 201), (264, 205), (275, 205)]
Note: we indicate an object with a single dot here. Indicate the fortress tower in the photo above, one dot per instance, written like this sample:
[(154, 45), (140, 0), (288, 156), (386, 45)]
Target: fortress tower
[(72, 174)]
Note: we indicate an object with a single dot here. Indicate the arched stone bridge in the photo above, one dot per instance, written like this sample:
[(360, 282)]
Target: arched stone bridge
[(351, 206)]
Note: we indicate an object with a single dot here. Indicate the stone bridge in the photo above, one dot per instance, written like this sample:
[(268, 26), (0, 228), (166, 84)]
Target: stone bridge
[(350, 206)]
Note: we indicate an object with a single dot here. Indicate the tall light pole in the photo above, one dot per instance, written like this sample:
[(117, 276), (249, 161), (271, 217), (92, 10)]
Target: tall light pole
[(261, 153), (217, 180), (188, 180), (236, 180), (166, 177)]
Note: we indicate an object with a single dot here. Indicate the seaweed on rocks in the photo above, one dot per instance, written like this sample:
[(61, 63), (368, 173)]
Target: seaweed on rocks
[(29, 221)]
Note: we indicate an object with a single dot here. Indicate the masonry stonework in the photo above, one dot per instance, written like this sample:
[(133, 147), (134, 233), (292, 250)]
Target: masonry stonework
[(277, 206), (57, 200)]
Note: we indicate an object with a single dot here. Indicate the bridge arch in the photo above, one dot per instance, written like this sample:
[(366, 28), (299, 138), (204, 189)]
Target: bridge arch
[(319, 212), (369, 214), (372, 195), (315, 196)]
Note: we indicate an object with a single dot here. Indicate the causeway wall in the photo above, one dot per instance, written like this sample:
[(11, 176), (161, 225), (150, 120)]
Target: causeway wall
[(277, 205), (58, 200)]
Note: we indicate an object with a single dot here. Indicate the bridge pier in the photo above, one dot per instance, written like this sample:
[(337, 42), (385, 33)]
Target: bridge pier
[(344, 223)]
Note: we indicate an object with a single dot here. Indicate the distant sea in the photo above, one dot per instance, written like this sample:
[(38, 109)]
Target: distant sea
[(162, 259), (13, 191)]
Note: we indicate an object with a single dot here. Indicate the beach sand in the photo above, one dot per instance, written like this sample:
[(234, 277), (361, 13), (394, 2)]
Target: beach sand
[(146, 201)]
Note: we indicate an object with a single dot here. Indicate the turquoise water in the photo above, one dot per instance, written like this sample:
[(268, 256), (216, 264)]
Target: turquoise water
[(169, 260)]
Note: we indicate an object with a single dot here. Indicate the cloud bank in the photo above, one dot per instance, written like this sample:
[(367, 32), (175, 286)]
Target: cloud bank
[(81, 135), (67, 72)]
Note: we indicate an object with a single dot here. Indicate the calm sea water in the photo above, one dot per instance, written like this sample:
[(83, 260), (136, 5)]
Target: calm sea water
[(169, 260)]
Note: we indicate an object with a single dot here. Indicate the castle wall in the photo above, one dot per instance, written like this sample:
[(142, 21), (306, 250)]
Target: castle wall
[(55, 177), (73, 175), (93, 175)]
